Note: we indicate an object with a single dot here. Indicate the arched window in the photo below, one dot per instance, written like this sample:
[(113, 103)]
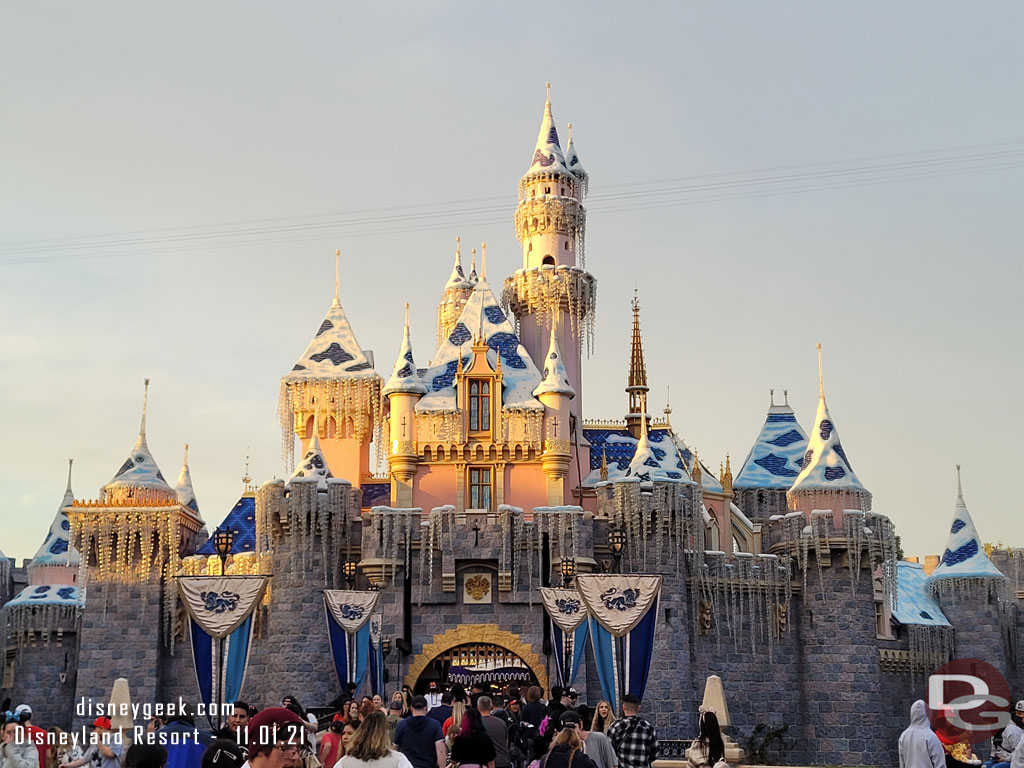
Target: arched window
[(480, 488), (548, 261), (479, 405)]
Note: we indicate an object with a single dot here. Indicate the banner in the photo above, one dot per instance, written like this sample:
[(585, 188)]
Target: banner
[(348, 627), (623, 615), (220, 610), (568, 620), (376, 655)]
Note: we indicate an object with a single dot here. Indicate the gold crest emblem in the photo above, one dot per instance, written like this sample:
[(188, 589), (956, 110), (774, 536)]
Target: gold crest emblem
[(477, 586)]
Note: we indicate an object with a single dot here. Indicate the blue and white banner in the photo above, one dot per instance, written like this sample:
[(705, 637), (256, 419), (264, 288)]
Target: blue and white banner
[(376, 655), (623, 615), (220, 610), (568, 620), (348, 627)]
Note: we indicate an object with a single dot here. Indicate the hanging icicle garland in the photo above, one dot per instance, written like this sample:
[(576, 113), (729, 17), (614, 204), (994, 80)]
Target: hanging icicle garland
[(513, 537), (355, 403), (931, 646), (395, 528), (23, 619), (546, 291)]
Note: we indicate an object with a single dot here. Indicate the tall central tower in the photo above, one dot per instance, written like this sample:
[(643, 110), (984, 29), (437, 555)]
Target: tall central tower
[(552, 288)]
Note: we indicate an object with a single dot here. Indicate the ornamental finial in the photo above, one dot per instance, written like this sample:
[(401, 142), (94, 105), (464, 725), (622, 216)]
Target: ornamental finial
[(407, 315), (821, 375), (483, 262), (771, 393), (145, 405), (246, 480), (959, 487), (337, 276)]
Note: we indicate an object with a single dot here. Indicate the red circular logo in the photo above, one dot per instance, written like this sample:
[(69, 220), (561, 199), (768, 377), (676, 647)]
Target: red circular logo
[(968, 700)]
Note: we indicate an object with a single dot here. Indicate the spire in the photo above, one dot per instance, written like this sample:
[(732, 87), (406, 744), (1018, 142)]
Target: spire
[(337, 278), (145, 404), (556, 378), (636, 387), (825, 465), (139, 470), (604, 462), (246, 479), (572, 162), (334, 352), (645, 465), (473, 279), (56, 548), (727, 476), (668, 405), (69, 496), (186, 495), (964, 556), (313, 464), (404, 377), (777, 454), (457, 279), (547, 153), (695, 471), (483, 262)]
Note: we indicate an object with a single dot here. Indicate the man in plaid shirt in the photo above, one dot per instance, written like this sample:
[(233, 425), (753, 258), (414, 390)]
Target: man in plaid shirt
[(634, 738)]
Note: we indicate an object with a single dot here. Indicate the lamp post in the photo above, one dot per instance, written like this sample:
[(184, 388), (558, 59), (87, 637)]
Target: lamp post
[(349, 570), (617, 543), (568, 571), (223, 539), (385, 648)]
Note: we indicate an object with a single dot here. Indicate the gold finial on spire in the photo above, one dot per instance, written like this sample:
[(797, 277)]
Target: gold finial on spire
[(604, 462), (636, 383), (668, 404), (337, 276), (695, 473), (547, 87), (246, 480), (727, 476), (483, 262), (407, 315), (959, 487), (472, 263), (821, 375), (570, 131), (785, 394), (771, 393), (68, 490), (145, 405), (186, 454)]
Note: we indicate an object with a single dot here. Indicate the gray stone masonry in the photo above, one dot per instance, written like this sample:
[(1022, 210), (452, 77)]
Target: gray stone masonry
[(38, 667)]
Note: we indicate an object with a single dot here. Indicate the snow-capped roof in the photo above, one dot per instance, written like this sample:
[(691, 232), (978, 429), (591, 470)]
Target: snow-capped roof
[(473, 278), (572, 160), (56, 548), (139, 470), (556, 378), (520, 376), (825, 466), (186, 495), (241, 521), (334, 352), (645, 464), (457, 279), (313, 464), (708, 479), (547, 153), (619, 449), (965, 555), (775, 458), (915, 605), (404, 377), (46, 594)]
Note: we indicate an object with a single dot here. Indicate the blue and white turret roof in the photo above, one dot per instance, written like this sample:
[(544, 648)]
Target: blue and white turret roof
[(825, 465), (56, 548), (313, 464), (186, 495), (334, 352), (572, 160), (482, 314), (914, 603), (547, 153), (473, 278), (556, 378), (139, 470), (645, 465), (46, 594), (965, 556), (404, 377), (775, 458), (618, 449), (457, 280)]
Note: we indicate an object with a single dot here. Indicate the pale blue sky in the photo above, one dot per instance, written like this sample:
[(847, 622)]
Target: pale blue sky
[(132, 118)]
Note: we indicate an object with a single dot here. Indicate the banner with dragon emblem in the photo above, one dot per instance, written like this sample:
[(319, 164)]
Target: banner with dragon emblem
[(348, 627), (220, 611), (376, 654), (569, 630), (623, 614)]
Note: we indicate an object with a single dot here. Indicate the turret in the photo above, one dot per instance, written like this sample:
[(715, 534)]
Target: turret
[(453, 299), (334, 384), (183, 489), (555, 391), (403, 390), (636, 384), (826, 480)]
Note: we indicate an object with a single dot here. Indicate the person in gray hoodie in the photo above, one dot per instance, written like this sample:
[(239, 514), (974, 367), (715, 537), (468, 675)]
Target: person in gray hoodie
[(919, 747)]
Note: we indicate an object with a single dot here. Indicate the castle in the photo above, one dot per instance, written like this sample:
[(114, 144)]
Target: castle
[(459, 489)]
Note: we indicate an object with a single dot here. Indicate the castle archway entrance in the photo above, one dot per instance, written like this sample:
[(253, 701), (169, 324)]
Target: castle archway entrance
[(481, 653)]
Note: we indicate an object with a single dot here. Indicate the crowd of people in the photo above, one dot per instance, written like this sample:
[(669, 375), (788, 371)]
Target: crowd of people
[(454, 728), (937, 742)]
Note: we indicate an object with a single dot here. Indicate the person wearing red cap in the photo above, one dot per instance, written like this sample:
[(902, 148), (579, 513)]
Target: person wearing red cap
[(276, 739), (108, 747)]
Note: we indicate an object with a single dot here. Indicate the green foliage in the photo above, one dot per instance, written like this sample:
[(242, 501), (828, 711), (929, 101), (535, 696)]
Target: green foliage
[(762, 740)]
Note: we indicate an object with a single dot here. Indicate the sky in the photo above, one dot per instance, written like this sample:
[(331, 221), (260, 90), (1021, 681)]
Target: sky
[(175, 179)]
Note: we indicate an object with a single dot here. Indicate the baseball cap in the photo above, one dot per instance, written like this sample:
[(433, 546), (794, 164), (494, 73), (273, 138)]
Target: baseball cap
[(418, 702), (101, 722), (1018, 707), (631, 698), (22, 708), (570, 718), (395, 705), (571, 693), (271, 725)]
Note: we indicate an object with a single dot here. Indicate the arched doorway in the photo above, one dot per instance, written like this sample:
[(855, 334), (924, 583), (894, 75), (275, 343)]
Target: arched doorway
[(480, 652)]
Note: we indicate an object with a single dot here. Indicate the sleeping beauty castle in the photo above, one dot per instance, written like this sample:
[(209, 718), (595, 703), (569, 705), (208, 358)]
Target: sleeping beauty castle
[(466, 521)]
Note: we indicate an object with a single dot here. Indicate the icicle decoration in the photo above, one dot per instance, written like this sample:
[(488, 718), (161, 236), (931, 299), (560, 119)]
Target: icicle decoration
[(931, 646), (397, 526), (512, 539), (546, 292), (22, 619)]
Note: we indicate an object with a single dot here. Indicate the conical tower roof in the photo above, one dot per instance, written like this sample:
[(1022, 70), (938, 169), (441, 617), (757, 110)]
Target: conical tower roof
[(572, 161), (56, 548), (313, 464), (186, 495), (556, 378), (334, 352), (825, 465), (547, 152), (139, 470), (645, 465), (964, 557), (457, 280), (776, 457), (404, 377)]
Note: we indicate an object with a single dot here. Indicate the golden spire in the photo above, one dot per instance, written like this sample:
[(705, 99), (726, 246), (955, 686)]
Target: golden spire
[(636, 387), (483, 262), (337, 277), (604, 463), (668, 405), (246, 479), (727, 476), (821, 375), (695, 473)]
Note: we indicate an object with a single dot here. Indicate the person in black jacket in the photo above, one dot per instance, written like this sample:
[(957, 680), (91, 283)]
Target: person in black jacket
[(472, 747), (567, 750), (534, 710)]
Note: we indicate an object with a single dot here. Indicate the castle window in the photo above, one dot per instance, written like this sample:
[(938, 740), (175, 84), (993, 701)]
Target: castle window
[(479, 405), (565, 245), (480, 488), (561, 191), (547, 190), (548, 261)]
